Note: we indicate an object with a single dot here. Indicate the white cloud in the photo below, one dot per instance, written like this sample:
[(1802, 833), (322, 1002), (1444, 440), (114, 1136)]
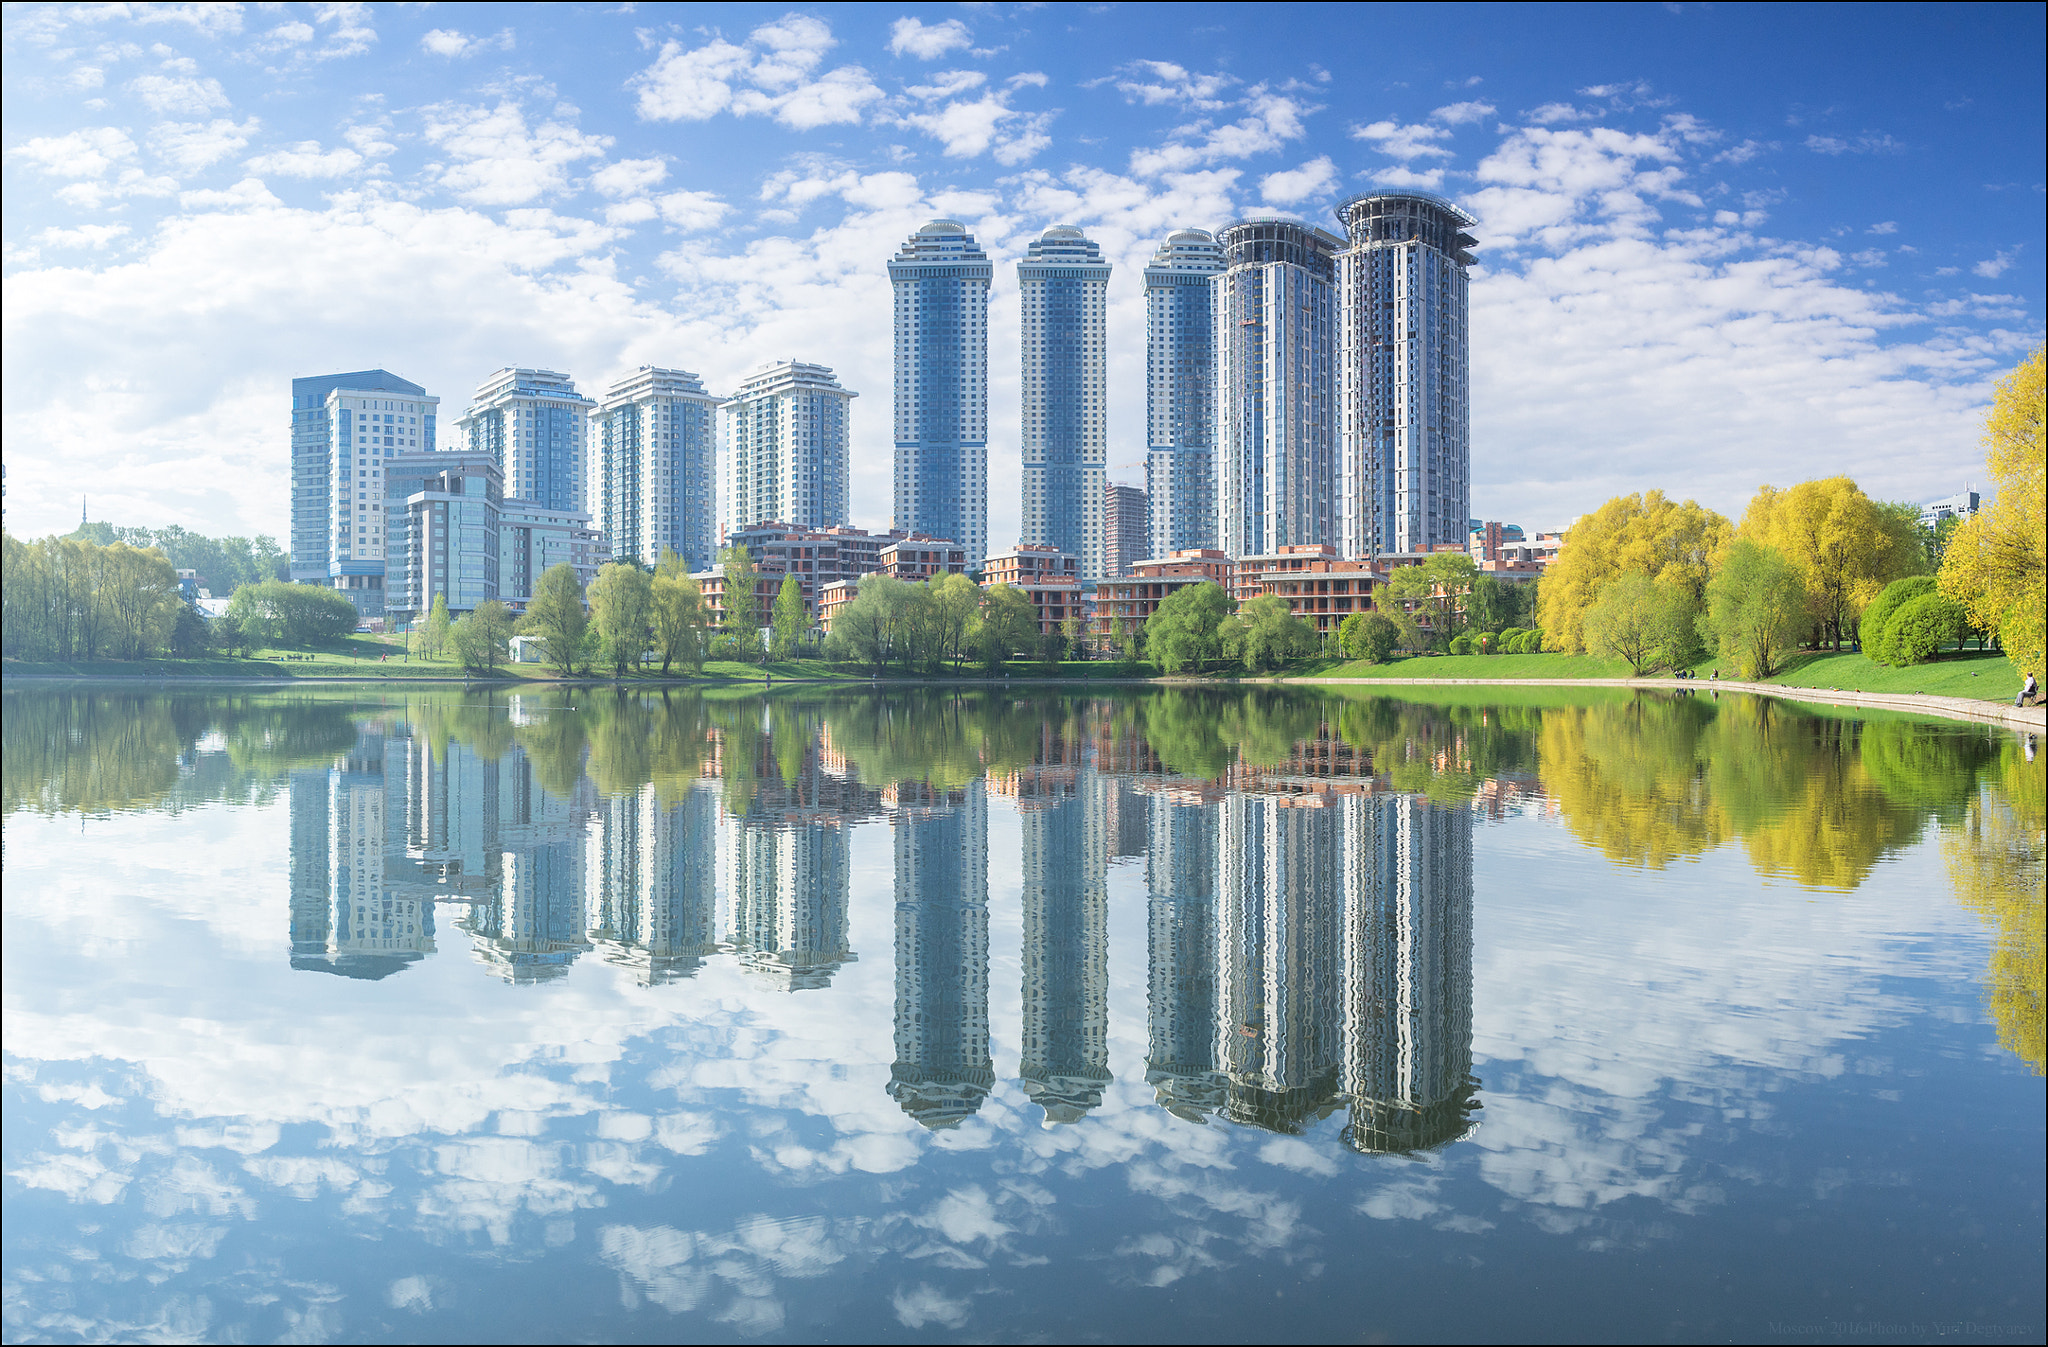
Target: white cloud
[(306, 160), (1293, 185), (1396, 141), (452, 44), (86, 77), (350, 35), (1864, 144), (628, 177), (192, 146), (1401, 176), (95, 237), (179, 94), (1550, 114), (501, 161), (1458, 114), (968, 129), (1273, 120), (79, 154), (690, 211), (927, 42), (771, 75), (947, 83), (1997, 265), (1161, 82), (1885, 227)]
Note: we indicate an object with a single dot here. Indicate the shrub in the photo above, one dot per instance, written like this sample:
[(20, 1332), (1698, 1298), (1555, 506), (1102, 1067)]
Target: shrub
[(1461, 644), (1874, 632), (1506, 642), (1919, 630)]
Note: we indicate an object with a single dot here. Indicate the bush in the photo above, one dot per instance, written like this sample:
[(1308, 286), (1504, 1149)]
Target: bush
[(1505, 643), (1461, 644), (1529, 642), (1874, 632), (1919, 630)]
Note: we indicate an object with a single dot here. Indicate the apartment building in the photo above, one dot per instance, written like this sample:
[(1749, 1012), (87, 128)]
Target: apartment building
[(1049, 577)]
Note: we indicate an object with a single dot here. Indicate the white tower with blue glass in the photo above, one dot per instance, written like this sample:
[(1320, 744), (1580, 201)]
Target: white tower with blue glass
[(940, 277), (536, 426), (1065, 290), (1180, 391)]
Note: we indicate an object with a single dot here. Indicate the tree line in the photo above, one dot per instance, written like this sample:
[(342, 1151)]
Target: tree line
[(222, 564)]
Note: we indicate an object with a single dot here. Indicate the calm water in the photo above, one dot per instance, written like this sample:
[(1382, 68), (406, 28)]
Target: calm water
[(1264, 1016)]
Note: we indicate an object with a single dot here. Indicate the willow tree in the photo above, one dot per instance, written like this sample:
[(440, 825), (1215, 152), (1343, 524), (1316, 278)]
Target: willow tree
[(1846, 546), (1995, 563), (1649, 534)]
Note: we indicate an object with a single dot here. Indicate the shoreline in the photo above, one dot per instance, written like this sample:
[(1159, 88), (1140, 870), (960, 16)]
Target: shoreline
[(2033, 719)]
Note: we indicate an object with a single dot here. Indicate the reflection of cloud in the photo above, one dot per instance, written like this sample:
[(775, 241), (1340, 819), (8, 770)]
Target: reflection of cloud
[(924, 1304)]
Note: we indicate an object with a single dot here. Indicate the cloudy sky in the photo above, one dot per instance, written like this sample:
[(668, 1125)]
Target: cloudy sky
[(1720, 246)]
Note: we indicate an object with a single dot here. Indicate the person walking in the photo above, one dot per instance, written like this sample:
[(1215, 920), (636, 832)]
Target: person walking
[(2028, 691)]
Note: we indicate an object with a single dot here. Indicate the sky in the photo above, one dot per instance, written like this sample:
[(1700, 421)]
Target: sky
[(1719, 245)]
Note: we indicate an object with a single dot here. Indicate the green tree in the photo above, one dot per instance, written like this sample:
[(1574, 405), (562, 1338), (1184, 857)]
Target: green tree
[(1756, 608), (1649, 623), (621, 600), (1185, 633), (1649, 533), (1264, 635), (1006, 626), (676, 614), (1996, 565), (789, 617), (556, 618), (1439, 588), (480, 639), (742, 605), (430, 640), (1373, 639), (957, 604), (1847, 548), (1873, 632), (1924, 625)]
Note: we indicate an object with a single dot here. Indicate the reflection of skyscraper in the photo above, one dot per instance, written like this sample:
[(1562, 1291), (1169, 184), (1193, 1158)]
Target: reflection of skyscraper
[(347, 915), (943, 1070), (1278, 875), (1407, 870), (513, 849), (1180, 875), (651, 880), (789, 892), (1066, 951)]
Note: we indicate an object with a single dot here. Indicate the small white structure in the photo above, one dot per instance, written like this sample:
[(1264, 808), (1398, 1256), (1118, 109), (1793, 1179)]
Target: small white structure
[(526, 650)]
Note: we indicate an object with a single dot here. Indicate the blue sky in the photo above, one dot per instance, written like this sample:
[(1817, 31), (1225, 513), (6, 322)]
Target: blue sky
[(1720, 245)]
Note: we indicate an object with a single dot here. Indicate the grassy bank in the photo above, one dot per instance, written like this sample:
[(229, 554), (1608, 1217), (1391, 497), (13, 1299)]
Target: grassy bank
[(1979, 675)]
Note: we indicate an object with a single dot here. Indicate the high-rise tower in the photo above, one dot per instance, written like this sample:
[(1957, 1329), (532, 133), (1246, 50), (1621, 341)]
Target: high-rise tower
[(654, 433), (940, 277), (535, 423), (1065, 285), (1180, 391), (1404, 398), (782, 441), (1276, 469), (344, 428), (943, 1069)]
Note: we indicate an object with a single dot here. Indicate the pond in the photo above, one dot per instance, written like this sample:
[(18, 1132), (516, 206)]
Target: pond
[(1247, 1015)]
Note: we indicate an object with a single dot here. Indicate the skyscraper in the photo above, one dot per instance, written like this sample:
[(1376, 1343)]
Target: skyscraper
[(940, 277), (1180, 391), (535, 423), (782, 449), (343, 428), (1126, 532), (1065, 285), (655, 435), (1404, 400), (1276, 442)]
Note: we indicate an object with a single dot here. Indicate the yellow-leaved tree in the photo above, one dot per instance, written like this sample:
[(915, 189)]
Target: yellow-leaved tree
[(1847, 547), (1667, 540), (1996, 560)]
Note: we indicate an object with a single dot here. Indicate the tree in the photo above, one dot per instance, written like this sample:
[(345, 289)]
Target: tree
[(1008, 623), (1756, 607), (230, 637), (742, 607), (479, 640), (1646, 622), (281, 613), (1373, 638), (1185, 633), (1846, 547), (1645, 533), (430, 641), (1438, 587), (1263, 634), (1922, 626), (1873, 633), (789, 617), (676, 614), (957, 604), (555, 616), (621, 599), (1997, 562)]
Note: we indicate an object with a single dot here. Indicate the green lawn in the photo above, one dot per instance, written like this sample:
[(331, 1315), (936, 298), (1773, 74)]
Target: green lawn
[(1981, 675)]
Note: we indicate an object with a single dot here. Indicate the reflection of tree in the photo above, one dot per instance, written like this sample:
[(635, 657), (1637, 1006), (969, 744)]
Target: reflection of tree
[(1446, 753), (1996, 861), (1628, 778)]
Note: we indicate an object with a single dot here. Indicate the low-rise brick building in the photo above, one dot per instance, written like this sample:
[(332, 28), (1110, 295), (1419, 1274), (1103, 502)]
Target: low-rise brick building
[(1321, 587), (1123, 606), (1049, 577)]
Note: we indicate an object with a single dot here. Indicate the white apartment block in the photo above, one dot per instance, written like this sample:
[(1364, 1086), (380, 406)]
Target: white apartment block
[(655, 435), (1403, 357), (1180, 392), (1276, 465), (366, 429), (536, 425), (1065, 291), (782, 449)]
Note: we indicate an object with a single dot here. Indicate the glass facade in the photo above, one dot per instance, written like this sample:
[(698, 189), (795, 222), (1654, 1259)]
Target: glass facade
[(656, 451), (1180, 392), (783, 444), (940, 277), (1065, 292), (343, 428), (535, 424)]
